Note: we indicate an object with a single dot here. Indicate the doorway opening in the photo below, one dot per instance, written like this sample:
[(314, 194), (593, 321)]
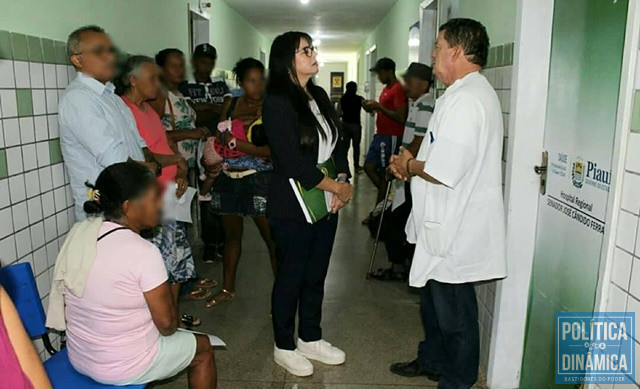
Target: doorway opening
[(428, 30), (198, 28)]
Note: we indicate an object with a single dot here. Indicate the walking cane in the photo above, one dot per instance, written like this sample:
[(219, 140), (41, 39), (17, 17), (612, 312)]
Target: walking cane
[(375, 244)]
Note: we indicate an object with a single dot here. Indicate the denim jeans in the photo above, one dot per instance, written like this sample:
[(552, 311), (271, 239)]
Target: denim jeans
[(451, 345)]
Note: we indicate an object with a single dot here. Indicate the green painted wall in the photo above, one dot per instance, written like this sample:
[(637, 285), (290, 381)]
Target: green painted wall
[(391, 36), (137, 26)]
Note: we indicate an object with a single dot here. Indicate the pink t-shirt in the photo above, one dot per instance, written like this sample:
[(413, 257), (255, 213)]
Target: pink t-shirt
[(110, 333)]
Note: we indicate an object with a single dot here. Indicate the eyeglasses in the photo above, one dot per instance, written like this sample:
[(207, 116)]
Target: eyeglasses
[(308, 50), (100, 51)]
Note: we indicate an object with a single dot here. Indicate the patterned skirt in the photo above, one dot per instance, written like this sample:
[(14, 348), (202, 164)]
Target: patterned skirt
[(171, 239)]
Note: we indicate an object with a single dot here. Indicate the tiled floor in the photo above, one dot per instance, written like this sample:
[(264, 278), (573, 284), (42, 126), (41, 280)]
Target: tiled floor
[(375, 323)]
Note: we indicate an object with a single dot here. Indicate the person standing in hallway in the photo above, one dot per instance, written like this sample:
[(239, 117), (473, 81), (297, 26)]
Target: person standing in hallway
[(96, 127), (302, 128), (457, 221), (391, 113), (349, 108), (418, 80)]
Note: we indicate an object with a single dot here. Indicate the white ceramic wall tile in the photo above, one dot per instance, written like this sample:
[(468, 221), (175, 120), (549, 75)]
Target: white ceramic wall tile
[(9, 103), (39, 102), (633, 153), (27, 132), (50, 76), (1, 135), (71, 216), (621, 270), (62, 76), (17, 188), (32, 184), (11, 129), (62, 222), (617, 299), (4, 193), (52, 252), (21, 70), (37, 235), (42, 150), (69, 195), (20, 216), (71, 73), (60, 93), (7, 79), (6, 227), (14, 160), (636, 251), (23, 242), (57, 172), (634, 285), (52, 100), (633, 305), (45, 179), (50, 228), (8, 250), (43, 283), (497, 78), (40, 263), (37, 75), (52, 121), (41, 128), (507, 74), (60, 199), (627, 224), (34, 207), (48, 204), (506, 100), (636, 365), (29, 157)]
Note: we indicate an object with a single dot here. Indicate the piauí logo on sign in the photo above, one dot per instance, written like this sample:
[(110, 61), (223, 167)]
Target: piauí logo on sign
[(577, 176)]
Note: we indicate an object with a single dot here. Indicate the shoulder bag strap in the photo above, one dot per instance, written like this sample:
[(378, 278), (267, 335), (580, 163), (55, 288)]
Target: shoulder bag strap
[(110, 232)]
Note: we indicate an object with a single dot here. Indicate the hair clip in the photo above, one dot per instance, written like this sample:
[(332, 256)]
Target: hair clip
[(94, 195)]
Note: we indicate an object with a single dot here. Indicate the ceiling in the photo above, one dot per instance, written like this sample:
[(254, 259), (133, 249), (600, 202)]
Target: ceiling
[(341, 25)]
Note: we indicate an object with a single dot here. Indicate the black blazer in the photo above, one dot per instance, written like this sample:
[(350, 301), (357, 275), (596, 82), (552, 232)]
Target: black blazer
[(290, 160)]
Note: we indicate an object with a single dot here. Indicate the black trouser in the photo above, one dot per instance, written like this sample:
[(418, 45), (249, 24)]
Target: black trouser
[(303, 251), (451, 346), (353, 134), (399, 251)]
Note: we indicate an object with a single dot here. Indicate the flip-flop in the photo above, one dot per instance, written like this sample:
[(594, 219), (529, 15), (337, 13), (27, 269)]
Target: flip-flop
[(230, 296), (206, 283), (190, 321), (199, 294)]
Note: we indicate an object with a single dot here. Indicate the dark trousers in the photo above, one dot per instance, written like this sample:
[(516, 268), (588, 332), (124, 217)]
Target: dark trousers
[(353, 135), (303, 251), (399, 251), (451, 345)]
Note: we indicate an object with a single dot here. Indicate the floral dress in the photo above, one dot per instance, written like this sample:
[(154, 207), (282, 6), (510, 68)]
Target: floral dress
[(179, 115)]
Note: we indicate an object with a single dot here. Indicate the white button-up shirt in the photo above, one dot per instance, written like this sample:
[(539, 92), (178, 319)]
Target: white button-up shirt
[(96, 130), (459, 227)]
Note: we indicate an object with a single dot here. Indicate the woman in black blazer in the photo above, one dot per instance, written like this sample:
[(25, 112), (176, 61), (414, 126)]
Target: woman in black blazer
[(303, 131)]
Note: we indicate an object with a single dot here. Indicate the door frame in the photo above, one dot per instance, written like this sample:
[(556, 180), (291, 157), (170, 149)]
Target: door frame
[(532, 51)]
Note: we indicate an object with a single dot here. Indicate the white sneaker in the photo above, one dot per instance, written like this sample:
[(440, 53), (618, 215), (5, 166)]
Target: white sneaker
[(293, 362), (321, 351)]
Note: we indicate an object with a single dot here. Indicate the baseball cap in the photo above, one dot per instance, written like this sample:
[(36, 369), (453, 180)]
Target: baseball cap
[(384, 64), (419, 70), (205, 50)]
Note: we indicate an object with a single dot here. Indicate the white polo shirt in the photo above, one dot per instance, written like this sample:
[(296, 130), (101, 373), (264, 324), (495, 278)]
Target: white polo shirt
[(459, 227)]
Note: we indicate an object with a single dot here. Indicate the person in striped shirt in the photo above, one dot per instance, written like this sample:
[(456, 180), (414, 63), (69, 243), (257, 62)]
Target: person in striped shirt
[(418, 80)]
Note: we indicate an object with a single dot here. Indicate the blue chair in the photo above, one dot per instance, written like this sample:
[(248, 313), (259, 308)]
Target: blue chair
[(20, 284)]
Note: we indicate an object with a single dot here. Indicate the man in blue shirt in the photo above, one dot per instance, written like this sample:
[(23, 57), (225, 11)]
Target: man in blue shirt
[(96, 127)]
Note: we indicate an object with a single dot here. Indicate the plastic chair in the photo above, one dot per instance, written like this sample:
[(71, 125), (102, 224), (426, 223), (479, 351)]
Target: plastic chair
[(20, 284)]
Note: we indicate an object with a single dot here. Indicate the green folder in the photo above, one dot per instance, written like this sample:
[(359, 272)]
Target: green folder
[(314, 203)]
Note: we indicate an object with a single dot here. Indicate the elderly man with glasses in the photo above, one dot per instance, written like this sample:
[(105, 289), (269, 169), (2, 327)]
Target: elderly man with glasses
[(96, 127)]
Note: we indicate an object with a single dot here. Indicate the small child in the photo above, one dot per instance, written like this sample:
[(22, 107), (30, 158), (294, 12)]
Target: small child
[(214, 153)]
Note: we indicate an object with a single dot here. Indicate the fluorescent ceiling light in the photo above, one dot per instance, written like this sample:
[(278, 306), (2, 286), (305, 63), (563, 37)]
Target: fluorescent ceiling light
[(317, 42), (304, 1)]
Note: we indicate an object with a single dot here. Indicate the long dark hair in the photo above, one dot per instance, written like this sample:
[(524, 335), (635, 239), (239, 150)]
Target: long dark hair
[(116, 184), (283, 81)]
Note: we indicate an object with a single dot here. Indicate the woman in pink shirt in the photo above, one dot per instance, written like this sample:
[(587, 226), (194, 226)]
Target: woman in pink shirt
[(123, 329), (140, 82)]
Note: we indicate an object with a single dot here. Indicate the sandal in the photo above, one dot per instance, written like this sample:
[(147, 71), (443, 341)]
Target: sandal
[(199, 294), (206, 283), (220, 297), (190, 321)]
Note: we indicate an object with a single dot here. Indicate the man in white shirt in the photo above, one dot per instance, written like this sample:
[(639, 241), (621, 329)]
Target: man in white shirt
[(457, 220), (96, 128)]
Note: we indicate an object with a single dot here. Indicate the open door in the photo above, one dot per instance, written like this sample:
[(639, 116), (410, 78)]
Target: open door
[(587, 45)]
